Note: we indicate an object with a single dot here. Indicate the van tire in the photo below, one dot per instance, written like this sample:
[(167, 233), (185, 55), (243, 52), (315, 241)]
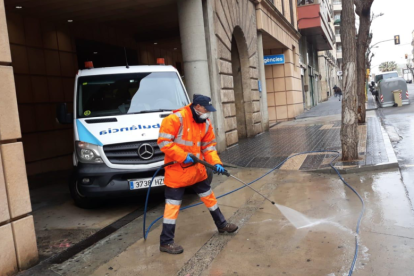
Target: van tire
[(80, 200)]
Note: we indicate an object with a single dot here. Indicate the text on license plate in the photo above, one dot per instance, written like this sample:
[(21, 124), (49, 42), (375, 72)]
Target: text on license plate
[(143, 183)]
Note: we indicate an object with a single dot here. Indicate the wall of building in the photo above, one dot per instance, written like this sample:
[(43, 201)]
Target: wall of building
[(310, 63), (323, 68), (18, 248), (228, 17), (45, 64), (327, 68), (283, 84)]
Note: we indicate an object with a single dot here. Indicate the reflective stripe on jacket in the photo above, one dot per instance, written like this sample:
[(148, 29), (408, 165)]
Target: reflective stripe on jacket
[(180, 135)]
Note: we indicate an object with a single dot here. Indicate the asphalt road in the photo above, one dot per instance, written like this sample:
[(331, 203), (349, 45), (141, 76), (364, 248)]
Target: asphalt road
[(401, 120)]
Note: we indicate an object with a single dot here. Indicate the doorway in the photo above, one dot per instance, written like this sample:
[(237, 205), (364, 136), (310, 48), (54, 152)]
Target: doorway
[(241, 82)]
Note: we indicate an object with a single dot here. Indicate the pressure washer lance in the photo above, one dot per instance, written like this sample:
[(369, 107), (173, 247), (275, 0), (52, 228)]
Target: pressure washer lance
[(226, 173)]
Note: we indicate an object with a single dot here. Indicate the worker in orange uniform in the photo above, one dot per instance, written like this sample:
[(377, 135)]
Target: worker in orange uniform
[(189, 131)]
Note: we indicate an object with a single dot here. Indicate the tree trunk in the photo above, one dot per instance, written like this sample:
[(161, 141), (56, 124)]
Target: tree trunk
[(349, 129), (363, 9)]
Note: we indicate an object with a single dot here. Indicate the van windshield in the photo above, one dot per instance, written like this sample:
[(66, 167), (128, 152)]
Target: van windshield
[(107, 95)]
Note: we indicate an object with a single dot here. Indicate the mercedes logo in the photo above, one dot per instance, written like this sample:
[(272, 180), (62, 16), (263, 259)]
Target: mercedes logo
[(146, 151)]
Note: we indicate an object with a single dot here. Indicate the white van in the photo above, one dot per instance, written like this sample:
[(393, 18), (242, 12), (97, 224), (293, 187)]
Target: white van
[(117, 113)]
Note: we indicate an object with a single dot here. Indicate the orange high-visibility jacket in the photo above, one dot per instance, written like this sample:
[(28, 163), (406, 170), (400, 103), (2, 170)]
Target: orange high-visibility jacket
[(181, 135)]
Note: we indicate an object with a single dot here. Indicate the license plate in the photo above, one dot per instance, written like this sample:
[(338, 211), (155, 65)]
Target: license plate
[(135, 184)]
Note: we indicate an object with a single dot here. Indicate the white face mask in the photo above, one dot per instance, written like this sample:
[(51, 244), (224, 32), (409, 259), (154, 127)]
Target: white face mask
[(203, 116)]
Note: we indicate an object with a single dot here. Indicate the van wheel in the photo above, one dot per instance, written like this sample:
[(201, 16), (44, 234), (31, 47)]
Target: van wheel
[(80, 200)]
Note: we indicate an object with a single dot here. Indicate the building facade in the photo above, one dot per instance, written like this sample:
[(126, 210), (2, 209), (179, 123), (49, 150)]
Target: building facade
[(218, 46), (277, 28), (328, 61), (317, 50), (337, 7)]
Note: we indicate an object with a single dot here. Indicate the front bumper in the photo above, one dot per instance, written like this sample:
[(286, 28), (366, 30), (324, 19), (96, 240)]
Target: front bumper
[(105, 181)]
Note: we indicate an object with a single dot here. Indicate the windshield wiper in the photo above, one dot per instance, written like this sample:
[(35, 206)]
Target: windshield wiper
[(151, 111)]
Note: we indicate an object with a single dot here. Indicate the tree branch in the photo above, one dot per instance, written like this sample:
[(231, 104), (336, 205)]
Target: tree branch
[(362, 7), (366, 7), (358, 7)]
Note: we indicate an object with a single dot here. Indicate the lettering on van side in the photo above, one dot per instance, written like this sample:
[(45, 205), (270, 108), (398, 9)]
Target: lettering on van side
[(122, 129)]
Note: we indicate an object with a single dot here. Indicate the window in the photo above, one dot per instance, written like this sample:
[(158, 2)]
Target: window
[(305, 2), (107, 95)]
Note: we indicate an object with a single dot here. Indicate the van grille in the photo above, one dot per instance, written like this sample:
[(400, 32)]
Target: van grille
[(127, 153)]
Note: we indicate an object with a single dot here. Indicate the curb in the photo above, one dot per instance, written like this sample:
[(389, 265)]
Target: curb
[(382, 166), (393, 162)]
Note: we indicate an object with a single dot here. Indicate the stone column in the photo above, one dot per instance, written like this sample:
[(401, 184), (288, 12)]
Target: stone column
[(17, 236), (262, 78), (193, 43)]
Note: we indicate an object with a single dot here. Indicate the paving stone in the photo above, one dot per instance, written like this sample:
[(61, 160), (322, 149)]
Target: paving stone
[(271, 148)]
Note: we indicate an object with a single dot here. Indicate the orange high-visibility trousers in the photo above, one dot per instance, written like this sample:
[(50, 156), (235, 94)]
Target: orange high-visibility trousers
[(173, 199)]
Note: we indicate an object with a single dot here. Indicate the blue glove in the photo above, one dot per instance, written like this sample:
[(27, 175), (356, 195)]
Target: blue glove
[(219, 169), (188, 160)]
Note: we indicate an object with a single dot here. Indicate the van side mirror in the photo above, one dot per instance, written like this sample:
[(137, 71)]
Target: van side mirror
[(62, 114)]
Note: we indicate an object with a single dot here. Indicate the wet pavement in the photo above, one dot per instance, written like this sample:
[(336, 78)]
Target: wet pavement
[(320, 133), (59, 224), (399, 122), (328, 108), (372, 103), (267, 242)]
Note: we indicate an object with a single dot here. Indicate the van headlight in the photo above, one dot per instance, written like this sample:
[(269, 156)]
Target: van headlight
[(88, 153)]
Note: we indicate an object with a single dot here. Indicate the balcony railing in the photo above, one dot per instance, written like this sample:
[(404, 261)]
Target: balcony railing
[(313, 21), (307, 2)]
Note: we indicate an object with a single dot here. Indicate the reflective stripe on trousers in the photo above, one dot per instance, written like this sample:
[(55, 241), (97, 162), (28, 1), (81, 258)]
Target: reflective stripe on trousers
[(173, 200), (172, 208), (209, 200)]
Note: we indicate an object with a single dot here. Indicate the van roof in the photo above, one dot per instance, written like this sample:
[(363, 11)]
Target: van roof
[(124, 70)]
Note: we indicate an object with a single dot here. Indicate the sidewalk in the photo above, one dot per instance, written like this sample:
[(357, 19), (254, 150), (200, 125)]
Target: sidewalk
[(331, 107), (371, 104), (313, 134), (267, 243)]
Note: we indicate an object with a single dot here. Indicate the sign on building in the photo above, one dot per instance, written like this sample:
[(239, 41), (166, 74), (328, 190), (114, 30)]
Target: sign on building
[(274, 59)]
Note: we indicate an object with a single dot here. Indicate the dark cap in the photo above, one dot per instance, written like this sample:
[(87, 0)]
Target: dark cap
[(204, 101)]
